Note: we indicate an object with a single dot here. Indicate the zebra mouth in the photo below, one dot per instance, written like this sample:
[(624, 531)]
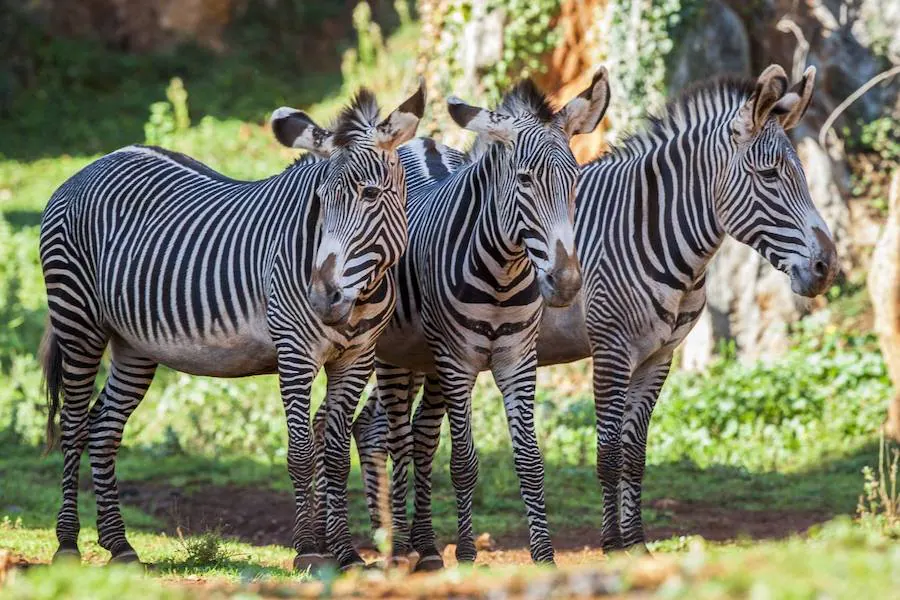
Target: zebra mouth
[(558, 291)]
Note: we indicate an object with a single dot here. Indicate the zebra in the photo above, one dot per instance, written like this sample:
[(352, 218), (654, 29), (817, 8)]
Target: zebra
[(168, 262), (490, 244), (650, 215)]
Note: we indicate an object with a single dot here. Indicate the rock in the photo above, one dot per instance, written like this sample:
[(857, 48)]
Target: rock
[(484, 542), (716, 43)]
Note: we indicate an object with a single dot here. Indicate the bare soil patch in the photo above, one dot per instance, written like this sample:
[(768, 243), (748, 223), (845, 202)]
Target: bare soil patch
[(264, 517)]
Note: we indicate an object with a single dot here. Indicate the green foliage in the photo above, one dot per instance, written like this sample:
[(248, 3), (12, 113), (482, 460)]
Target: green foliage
[(638, 36), (168, 118), (883, 137), (528, 35), (827, 395), (76, 583)]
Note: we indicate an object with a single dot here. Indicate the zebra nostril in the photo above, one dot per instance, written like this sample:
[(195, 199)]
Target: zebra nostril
[(336, 296), (820, 268)]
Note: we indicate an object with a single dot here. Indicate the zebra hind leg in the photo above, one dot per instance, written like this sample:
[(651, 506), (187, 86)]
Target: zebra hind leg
[(126, 386), (396, 389), (70, 369), (370, 431), (426, 437)]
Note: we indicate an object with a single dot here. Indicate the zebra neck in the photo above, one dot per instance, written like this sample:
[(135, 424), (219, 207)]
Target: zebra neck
[(492, 251)]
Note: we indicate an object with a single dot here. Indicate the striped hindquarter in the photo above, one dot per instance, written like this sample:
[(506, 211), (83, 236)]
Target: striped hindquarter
[(649, 218), (168, 262)]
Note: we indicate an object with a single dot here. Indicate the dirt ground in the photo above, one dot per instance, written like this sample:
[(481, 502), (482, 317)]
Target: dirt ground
[(263, 517)]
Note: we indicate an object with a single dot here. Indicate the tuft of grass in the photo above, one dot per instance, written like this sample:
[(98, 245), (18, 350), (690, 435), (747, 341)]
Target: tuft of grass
[(207, 549)]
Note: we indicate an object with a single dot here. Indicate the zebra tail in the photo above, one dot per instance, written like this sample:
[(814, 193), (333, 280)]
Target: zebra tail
[(51, 361)]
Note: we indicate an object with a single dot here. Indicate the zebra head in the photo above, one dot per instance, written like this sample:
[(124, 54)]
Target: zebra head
[(362, 197), (536, 174), (765, 200)]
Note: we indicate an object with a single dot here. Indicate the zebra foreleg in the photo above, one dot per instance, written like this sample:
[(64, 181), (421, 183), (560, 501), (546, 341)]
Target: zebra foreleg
[(397, 388), (612, 374), (79, 365), (296, 373), (517, 383), (456, 387), (125, 388), (345, 385), (643, 392), (426, 437)]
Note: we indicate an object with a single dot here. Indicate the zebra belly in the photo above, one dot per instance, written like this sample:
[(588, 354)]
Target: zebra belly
[(405, 347), (227, 355), (563, 336)]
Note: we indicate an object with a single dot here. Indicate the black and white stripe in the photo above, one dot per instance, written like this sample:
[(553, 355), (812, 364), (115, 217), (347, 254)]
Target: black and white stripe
[(649, 218), (490, 244), (168, 262)]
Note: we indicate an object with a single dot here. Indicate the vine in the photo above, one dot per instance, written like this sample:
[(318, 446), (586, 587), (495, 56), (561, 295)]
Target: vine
[(637, 36), (504, 40)]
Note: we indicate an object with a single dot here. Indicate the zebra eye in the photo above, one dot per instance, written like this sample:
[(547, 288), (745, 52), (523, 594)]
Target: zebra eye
[(370, 192), (769, 174), (524, 178)]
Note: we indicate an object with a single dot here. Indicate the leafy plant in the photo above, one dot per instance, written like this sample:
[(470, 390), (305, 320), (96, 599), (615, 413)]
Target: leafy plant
[(879, 505), (637, 37)]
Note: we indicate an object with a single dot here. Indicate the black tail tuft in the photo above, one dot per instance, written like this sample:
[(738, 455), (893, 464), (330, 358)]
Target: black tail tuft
[(51, 360)]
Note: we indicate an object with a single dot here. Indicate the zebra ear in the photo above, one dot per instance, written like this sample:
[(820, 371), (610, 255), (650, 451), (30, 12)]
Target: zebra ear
[(400, 126), (771, 87), (295, 129), (495, 125), (584, 112), (793, 106)]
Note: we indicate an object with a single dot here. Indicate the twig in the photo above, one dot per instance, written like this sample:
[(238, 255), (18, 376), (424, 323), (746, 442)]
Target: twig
[(852, 98), (787, 25)]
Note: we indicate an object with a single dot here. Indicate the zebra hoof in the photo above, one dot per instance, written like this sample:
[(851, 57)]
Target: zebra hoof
[(399, 562), (67, 556), (126, 557), (429, 563), (312, 563), (356, 563)]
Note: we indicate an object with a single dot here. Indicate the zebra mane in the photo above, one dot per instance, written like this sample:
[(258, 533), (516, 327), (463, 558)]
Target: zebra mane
[(526, 97), (729, 92), (356, 119)]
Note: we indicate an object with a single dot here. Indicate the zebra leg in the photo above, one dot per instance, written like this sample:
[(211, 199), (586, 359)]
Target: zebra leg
[(426, 437), (370, 430), (345, 385), (80, 364), (646, 384), (296, 372), (456, 386), (317, 489), (612, 374), (517, 383), (397, 388), (125, 388)]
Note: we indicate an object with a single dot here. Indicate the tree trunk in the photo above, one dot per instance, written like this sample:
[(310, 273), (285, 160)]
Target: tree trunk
[(884, 289)]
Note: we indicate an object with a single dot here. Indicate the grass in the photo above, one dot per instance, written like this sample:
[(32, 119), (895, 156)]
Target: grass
[(840, 560)]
